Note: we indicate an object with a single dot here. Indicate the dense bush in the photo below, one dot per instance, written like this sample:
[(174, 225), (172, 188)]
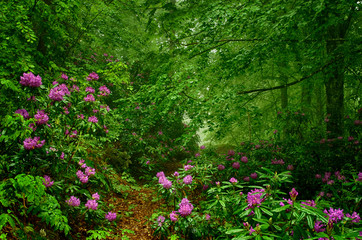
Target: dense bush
[(254, 192), (49, 135)]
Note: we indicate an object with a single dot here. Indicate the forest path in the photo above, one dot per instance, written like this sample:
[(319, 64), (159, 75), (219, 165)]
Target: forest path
[(135, 208)]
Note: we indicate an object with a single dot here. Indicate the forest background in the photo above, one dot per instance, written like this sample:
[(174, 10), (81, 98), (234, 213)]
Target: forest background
[(238, 73)]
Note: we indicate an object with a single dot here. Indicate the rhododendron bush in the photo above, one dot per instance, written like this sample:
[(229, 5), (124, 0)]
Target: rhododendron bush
[(205, 200), (48, 136)]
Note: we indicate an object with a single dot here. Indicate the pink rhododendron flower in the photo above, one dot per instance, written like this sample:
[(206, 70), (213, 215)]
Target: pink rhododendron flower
[(92, 77), (110, 216), (185, 207), (56, 94), (187, 179), (104, 91), (89, 98), (29, 79), (93, 119), (90, 90), (23, 112), (73, 201), (92, 204), (244, 159), (32, 143), (173, 216), (47, 182), (96, 196), (233, 180), (64, 76)]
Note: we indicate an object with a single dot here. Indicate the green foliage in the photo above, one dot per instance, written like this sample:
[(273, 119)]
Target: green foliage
[(28, 194), (235, 215), (50, 212), (187, 67), (98, 234)]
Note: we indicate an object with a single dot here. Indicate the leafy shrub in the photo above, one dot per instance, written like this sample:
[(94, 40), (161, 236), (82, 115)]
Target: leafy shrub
[(27, 194)]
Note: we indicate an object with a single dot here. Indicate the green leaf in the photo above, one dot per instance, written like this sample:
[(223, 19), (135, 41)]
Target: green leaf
[(266, 211), (232, 231), (310, 222), (258, 212)]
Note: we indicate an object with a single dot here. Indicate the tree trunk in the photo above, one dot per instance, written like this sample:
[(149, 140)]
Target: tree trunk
[(306, 97), (284, 103), (335, 97), (335, 83)]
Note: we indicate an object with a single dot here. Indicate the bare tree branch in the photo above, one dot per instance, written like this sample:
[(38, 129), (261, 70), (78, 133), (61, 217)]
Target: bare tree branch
[(292, 83), (262, 39)]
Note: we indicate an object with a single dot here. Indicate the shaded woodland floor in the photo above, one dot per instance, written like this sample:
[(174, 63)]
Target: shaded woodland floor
[(136, 210)]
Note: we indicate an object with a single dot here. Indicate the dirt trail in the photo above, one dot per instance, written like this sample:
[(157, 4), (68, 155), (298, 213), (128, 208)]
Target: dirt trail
[(136, 207)]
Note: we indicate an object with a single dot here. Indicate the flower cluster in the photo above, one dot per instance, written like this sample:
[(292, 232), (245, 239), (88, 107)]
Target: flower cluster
[(254, 198), (233, 180), (289, 201), (254, 175), (187, 179), (355, 217), (56, 94), (220, 167), (82, 177), (290, 167), (93, 119), (47, 182), (334, 214), (163, 180), (160, 220), (110, 216), (236, 165), (104, 91), (29, 79), (107, 108), (319, 227), (293, 194), (92, 204), (310, 203), (90, 171), (32, 143), (188, 167), (185, 207), (75, 88), (23, 112), (96, 196), (41, 117), (64, 76), (73, 201), (92, 76), (359, 179), (160, 174), (173, 216), (326, 177), (277, 162), (89, 98), (90, 90)]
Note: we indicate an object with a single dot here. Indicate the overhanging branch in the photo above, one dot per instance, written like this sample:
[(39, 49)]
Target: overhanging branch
[(292, 83)]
